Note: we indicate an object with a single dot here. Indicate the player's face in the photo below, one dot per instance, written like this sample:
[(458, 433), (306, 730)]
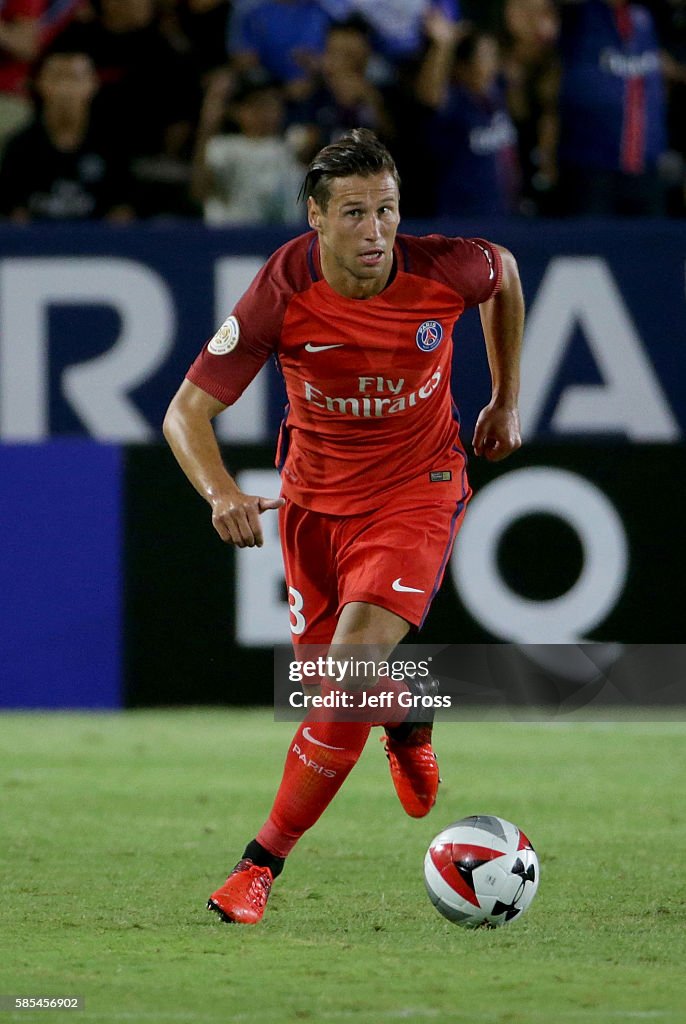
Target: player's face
[(356, 233)]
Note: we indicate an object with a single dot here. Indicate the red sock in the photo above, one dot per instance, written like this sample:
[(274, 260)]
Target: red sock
[(320, 758)]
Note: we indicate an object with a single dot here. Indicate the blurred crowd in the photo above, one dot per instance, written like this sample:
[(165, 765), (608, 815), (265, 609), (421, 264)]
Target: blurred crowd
[(128, 109)]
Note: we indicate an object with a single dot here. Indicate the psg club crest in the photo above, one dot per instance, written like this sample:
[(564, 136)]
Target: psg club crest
[(429, 335)]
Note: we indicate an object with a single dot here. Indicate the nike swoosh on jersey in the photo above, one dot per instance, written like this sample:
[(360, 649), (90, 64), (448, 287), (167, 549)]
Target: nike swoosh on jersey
[(318, 743), (397, 585), (309, 347)]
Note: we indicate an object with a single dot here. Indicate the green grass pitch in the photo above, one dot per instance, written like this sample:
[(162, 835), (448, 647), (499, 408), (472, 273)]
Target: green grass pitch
[(115, 828)]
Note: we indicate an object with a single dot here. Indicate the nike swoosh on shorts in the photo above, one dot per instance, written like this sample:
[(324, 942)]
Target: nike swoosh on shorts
[(397, 585)]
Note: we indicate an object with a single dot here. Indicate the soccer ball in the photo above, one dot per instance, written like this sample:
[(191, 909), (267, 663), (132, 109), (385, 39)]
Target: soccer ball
[(481, 871)]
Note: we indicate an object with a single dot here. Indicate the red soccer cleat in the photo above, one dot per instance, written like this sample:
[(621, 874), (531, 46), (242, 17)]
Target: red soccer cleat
[(414, 770), (243, 896)]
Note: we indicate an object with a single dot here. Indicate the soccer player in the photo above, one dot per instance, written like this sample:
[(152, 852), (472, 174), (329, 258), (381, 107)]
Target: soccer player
[(374, 486)]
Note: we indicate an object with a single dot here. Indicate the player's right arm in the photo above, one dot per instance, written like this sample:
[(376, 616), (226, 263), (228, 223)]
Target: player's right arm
[(189, 431)]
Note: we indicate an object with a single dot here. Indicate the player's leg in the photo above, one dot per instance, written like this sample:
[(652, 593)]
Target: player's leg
[(395, 559), (325, 749), (320, 757), (366, 632), (368, 625), (322, 753)]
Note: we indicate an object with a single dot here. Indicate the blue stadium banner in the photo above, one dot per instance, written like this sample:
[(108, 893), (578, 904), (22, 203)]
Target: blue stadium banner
[(60, 575), (117, 590), (98, 324)]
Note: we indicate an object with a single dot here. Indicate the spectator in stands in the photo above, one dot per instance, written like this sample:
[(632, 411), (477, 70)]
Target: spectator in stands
[(285, 37), (473, 140), (611, 109), (398, 31), (150, 96), (63, 166), (410, 101), (532, 71), (410, 119), (19, 46), (249, 176), (342, 96)]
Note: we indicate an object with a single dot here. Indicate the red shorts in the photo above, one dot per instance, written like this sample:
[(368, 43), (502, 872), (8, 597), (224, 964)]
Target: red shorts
[(394, 557)]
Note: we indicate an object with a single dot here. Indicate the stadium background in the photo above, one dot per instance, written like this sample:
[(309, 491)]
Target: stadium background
[(116, 590)]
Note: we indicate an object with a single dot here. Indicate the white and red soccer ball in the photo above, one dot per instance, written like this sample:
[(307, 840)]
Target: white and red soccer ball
[(481, 871)]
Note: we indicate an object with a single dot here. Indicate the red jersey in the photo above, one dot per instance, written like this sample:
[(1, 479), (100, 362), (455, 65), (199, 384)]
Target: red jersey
[(370, 412)]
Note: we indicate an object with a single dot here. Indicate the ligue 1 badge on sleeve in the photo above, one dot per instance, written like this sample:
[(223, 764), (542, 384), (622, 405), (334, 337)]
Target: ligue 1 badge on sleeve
[(226, 338), (429, 335)]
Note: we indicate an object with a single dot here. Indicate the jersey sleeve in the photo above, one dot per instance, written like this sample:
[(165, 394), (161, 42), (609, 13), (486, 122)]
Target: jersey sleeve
[(470, 266), (233, 356)]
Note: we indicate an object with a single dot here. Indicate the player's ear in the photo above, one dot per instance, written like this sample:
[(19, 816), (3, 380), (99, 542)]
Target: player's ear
[(313, 214)]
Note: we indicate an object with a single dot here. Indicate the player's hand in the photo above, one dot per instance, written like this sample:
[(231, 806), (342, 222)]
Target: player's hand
[(236, 518), (497, 433)]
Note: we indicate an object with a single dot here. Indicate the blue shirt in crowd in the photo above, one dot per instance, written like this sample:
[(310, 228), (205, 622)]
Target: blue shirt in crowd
[(612, 107), (474, 142)]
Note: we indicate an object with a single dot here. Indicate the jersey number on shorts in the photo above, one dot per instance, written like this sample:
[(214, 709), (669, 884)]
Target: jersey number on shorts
[(295, 602)]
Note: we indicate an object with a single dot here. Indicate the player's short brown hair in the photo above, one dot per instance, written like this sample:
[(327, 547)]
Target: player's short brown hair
[(357, 152)]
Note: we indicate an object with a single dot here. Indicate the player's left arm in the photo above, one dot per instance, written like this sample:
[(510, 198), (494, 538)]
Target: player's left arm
[(497, 432)]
